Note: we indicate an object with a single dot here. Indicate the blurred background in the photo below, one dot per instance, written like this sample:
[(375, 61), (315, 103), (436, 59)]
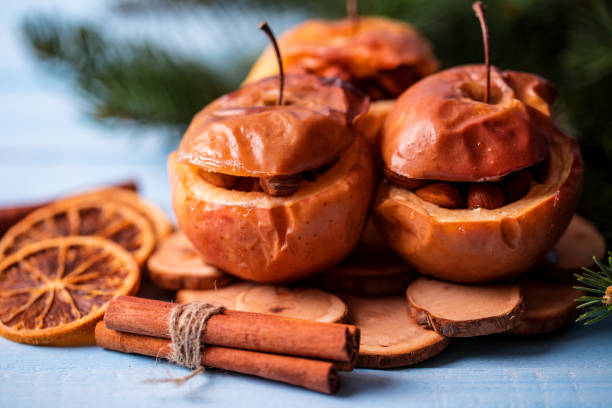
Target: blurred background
[(92, 92)]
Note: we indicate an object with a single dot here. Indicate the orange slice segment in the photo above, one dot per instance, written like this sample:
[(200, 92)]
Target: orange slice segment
[(86, 216), (155, 215), (54, 291)]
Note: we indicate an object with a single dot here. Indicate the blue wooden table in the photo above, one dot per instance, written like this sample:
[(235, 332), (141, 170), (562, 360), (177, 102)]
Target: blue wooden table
[(47, 147), (572, 368)]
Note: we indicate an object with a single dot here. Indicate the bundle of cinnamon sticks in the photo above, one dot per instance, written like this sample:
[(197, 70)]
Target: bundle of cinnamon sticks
[(299, 352)]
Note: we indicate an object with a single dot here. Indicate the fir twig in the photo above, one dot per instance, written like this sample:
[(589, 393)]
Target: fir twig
[(126, 82), (599, 283)]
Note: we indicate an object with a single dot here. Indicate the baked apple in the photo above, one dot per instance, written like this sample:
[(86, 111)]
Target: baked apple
[(380, 56), (270, 192), (476, 191)]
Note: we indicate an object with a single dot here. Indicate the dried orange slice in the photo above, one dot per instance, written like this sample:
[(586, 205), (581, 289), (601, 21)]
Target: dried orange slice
[(54, 291), (84, 216), (155, 215)]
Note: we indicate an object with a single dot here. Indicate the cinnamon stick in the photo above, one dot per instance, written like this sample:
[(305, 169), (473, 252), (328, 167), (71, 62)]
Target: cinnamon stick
[(13, 214), (243, 330), (315, 375)]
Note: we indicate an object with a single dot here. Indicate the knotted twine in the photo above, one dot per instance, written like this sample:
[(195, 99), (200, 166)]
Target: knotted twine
[(187, 324)]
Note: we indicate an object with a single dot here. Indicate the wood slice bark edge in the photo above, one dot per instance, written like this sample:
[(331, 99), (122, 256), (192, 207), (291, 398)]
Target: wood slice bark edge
[(390, 337), (175, 265), (549, 307), (490, 322)]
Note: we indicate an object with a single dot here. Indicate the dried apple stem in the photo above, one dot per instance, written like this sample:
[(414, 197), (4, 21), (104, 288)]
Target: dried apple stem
[(352, 9), (478, 9), (266, 29)]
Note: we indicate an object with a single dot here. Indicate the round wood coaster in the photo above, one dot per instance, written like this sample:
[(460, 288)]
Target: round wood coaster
[(548, 307), (465, 311), (576, 249), (300, 303), (372, 269), (225, 296), (367, 277), (390, 337), (175, 264)]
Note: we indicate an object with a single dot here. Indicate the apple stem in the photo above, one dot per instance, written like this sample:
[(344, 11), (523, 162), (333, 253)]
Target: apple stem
[(263, 26), (478, 9), (352, 9)]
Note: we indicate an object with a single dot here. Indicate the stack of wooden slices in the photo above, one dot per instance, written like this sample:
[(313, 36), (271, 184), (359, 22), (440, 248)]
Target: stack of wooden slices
[(404, 318), (63, 263)]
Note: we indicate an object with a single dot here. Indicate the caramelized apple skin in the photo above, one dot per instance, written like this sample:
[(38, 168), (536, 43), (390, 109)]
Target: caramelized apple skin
[(440, 128), (276, 239), (379, 54), (479, 245)]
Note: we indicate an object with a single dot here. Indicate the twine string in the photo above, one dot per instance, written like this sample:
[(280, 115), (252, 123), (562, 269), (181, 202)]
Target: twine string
[(187, 324)]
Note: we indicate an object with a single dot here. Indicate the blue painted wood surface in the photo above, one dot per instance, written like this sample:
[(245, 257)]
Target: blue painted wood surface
[(572, 368), (47, 147)]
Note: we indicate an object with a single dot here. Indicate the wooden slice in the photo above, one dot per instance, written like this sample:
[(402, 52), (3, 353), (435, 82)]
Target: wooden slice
[(576, 249), (548, 307), (300, 303), (371, 241), (367, 277), (372, 269), (175, 264), (465, 311), (225, 296), (390, 337)]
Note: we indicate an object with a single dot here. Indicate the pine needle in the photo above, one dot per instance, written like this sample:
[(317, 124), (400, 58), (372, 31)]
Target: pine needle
[(598, 282), (137, 83)]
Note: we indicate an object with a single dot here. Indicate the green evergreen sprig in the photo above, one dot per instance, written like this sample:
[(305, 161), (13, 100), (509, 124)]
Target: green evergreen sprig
[(598, 286), (127, 82)]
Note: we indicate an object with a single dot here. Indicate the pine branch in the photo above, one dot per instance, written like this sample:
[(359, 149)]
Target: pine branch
[(588, 58), (124, 82), (587, 62), (321, 9), (598, 283)]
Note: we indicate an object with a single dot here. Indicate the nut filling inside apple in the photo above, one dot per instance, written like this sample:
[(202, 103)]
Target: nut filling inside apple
[(489, 195), (276, 186)]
